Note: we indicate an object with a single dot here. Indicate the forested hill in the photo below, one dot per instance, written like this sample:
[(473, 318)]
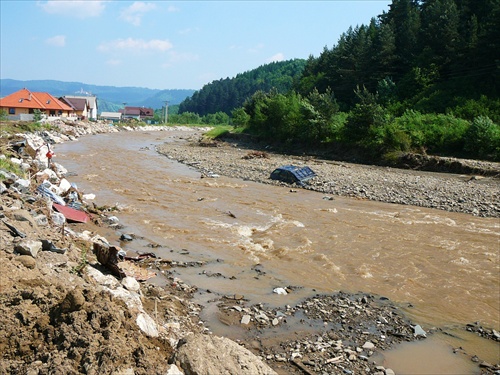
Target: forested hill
[(429, 55), (227, 94)]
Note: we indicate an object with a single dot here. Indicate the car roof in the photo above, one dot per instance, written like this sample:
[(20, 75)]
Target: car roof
[(301, 173)]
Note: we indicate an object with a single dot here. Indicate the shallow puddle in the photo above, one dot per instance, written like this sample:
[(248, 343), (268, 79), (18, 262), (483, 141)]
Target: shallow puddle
[(432, 356)]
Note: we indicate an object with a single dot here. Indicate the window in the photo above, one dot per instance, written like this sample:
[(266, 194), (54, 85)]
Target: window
[(48, 101), (12, 111), (21, 100)]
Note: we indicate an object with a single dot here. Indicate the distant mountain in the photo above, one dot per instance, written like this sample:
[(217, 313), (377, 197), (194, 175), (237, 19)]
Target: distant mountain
[(110, 98)]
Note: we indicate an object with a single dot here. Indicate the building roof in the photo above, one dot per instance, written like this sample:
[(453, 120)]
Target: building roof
[(91, 100), (138, 111), (33, 100), (78, 104), (111, 115)]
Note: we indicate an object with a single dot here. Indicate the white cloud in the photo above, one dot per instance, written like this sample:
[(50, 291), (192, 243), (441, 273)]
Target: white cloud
[(277, 57), (172, 8), (136, 44), (134, 13), (74, 8), (56, 41)]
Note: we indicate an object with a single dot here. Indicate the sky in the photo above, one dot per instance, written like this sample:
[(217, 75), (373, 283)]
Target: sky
[(166, 44)]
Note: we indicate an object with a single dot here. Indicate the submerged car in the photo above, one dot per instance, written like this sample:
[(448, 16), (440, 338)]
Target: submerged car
[(293, 174)]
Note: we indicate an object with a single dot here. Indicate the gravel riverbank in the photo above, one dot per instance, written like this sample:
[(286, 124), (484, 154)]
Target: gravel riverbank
[(471, 194)]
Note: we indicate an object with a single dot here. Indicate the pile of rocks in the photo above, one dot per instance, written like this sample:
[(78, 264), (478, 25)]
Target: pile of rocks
[(341, 331)]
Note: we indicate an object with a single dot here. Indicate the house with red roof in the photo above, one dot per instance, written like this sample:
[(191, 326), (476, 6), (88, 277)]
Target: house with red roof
[(23, 104)]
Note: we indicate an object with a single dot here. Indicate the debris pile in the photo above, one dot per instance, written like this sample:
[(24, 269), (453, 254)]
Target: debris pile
[(71, 302)]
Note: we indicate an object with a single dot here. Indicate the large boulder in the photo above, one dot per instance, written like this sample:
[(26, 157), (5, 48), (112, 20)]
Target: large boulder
[(208, 354)]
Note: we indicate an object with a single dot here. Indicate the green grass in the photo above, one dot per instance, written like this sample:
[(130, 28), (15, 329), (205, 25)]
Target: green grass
[(218, 131), (8, 166), (13, 127)]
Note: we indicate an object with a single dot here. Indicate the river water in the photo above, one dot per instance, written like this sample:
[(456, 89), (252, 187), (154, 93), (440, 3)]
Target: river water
[(442, 268)]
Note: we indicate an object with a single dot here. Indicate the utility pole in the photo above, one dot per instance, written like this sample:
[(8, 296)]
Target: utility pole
[(124, 110), (166, 112)]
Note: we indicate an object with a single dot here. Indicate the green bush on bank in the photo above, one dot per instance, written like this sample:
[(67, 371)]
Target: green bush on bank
[(482, 139), (292, 120), (437, 133)]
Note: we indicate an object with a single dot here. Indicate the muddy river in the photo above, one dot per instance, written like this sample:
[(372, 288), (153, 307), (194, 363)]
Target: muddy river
[(442, 268)]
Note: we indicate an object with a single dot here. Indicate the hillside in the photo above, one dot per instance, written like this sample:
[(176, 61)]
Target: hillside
[(110, 98), (224, 95)]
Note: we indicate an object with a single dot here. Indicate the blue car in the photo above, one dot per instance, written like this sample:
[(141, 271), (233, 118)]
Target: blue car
[(293, 174)]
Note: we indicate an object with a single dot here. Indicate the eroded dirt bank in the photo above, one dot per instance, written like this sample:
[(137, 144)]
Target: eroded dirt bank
[(65, 313)]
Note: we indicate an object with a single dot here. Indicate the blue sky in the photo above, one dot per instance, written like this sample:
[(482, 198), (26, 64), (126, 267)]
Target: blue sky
[(166, 44)]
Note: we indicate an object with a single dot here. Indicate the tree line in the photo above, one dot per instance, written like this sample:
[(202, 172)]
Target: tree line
[(422, 76)]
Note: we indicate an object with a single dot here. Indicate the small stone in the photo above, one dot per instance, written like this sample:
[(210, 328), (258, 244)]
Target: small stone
[(389, 371), (280, 291), (28, 247), (275, 321), (126, 237), (131, 284), (147, 325), (485, 365), (418, 331), (368, 345), (58, 218), (245, 319), (174, 370), (41, 220), (113, 220)]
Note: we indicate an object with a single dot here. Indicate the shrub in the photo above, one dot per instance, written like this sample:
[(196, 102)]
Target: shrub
[(365, 115), (482, 139), (436, 132), (239, 117), (470, 109)]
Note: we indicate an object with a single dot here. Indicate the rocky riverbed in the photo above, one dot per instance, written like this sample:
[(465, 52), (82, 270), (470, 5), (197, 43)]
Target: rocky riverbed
[(65, 312), (474, 194)]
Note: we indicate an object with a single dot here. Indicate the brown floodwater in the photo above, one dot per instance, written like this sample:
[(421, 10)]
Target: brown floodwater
[(441, 268)]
